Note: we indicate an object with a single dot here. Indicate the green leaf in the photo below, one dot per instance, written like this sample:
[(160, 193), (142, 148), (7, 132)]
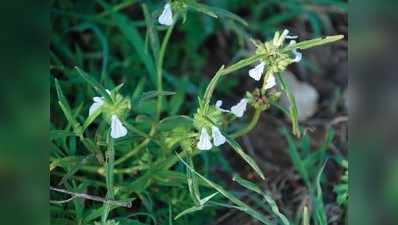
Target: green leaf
[(292, 107), (313, 42), (253, 187), (235, 146), (197, 207), (247, 184), (189, 211), (215, 12), (130, 32), (319, 208), (193, 183), (172, 122), (94, 83), (151, 32), (103, 42), (153, 94), (275, 209), (241, 205), (60, 134), (202, 8), (63, 103), (295, 157), (240, 64), (91, 118), (212, 85)]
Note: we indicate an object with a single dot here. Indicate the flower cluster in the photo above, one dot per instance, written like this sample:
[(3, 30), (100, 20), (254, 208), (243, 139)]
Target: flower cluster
[(112, 112), (211, 119), (273, 59)]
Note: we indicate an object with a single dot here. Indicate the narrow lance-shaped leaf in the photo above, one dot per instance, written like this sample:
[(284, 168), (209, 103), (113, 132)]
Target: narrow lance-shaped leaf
[(295, 156), (253, 187), (201, 8), (103, 42), (241, 205), (193, 183), (151, 32), (313, 42), (212, 85), (319, 207), (215, 12), (247, 184), (235, 146), (94, 83), (292, 107), (198, 207), (63, 103)]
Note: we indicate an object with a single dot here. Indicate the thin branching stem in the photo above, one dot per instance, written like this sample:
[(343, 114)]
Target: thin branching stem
[(159, 67), (87, 196), (250, 126)]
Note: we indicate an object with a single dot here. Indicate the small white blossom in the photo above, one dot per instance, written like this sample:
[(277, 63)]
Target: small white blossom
[(98, 102), (218, 106), (270, 83), (117, 128), (204, 140), (239, 109), (218, 138), (297, 55), (286, 36), (166, 18), (257, 71)]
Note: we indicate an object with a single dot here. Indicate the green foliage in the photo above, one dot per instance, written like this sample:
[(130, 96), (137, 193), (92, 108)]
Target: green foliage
[(154, 78)]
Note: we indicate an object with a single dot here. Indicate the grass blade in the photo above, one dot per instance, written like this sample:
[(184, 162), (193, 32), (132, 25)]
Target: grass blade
[(235, 146)]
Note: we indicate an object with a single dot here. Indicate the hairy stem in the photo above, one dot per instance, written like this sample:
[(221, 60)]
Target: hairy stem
[(250, 126), (110, 157), (159, 67)]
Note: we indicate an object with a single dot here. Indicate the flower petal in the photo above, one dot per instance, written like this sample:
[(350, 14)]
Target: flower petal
[(257, 71), (270, 83), (117, 128), (98, 102), (98, 99), (204, 140), (297, 55), (239, 109), (166, 18), (218, 106), (218, 138), (286, 36)]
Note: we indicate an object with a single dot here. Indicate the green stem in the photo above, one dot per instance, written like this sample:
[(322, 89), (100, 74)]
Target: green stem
[(110, 157), (159, 66), (137, 148), (240, 64), (250, 126), (116, 8)]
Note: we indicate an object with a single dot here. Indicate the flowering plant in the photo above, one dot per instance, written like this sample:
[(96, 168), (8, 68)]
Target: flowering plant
[(119, 134)]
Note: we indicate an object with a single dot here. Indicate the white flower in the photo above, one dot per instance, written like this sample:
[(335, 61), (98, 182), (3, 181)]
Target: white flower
[(240, 108), (117, 128), (166, 18), (297, 55), (270, 83), (218, 138), (98, 102), (218, 106), (278, 40), (286, 36), (204, 140), (257, 71)]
